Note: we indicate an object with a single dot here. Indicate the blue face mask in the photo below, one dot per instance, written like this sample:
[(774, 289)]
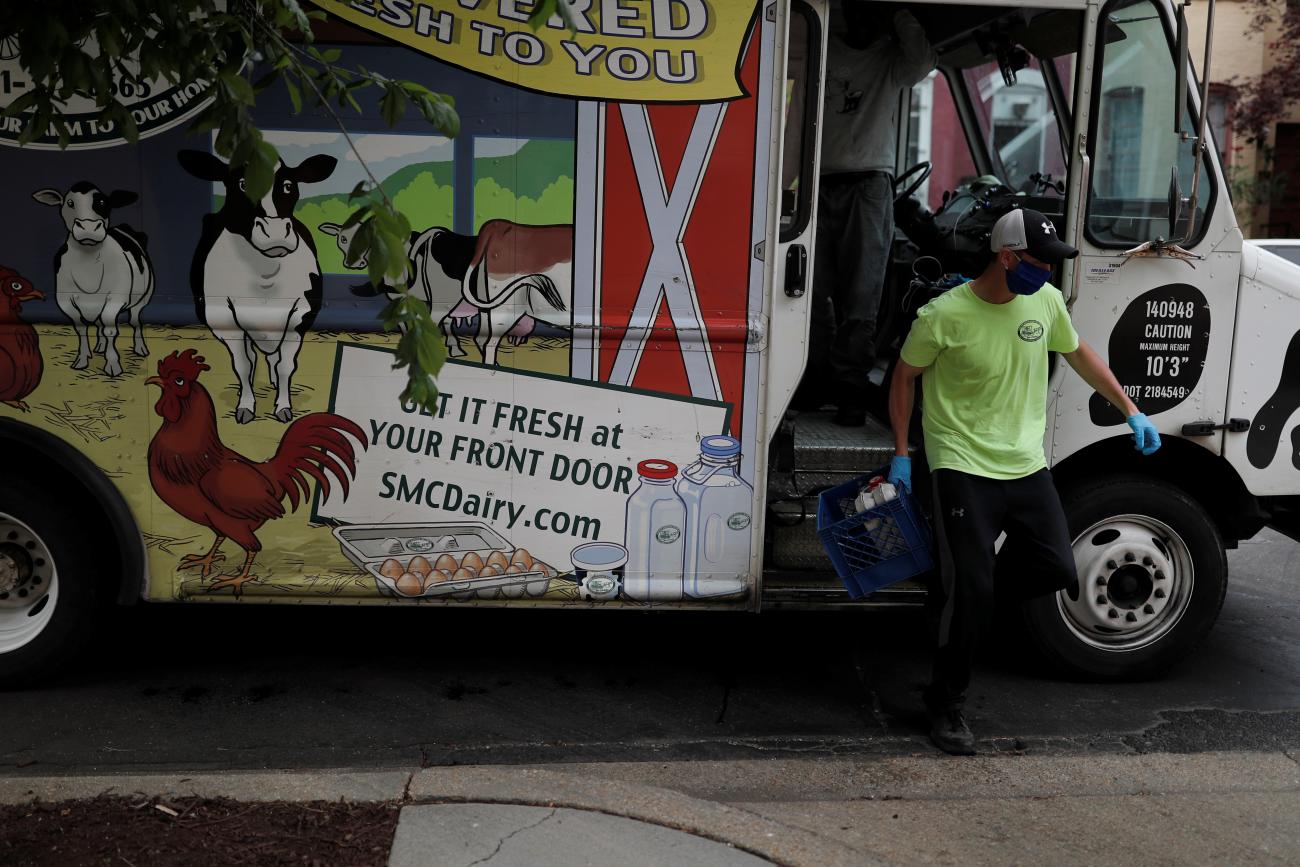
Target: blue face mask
[(1026, 279)]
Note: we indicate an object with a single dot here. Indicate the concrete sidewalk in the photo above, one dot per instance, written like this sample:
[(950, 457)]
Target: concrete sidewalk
[(1149, 809)]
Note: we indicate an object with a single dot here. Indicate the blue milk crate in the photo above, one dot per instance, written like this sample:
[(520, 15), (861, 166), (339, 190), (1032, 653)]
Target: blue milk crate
[(875, 548)]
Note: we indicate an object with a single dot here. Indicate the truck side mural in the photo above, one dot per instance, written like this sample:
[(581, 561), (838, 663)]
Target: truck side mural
[(596, 271)]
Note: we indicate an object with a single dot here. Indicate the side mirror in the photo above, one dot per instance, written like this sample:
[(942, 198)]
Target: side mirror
[(1175, 202), (1180, 73)]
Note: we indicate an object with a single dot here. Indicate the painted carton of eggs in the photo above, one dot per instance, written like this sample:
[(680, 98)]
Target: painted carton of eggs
[(425, 561), (512, 576)]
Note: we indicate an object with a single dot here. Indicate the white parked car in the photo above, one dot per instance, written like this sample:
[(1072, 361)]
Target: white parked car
[(1287, 248)]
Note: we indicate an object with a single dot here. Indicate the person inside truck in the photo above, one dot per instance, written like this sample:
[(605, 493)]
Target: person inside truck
[(865, 76), (981, 351)]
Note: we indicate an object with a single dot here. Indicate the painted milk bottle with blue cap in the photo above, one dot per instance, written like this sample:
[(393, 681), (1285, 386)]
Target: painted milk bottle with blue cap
[(718, 503), (653, 534)]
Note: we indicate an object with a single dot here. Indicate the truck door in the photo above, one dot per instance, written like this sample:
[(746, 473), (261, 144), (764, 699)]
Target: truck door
[(792, 270), (1164, 323)]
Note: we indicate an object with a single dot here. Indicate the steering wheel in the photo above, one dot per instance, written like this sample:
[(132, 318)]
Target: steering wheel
[(922, 169)]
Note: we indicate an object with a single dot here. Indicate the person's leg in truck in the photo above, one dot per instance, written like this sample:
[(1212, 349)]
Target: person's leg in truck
[(815, 386), (862, 258)]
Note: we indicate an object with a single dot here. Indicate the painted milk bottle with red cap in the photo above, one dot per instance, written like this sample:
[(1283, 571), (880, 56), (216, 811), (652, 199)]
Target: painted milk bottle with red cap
[(718, 505), (653, 535)]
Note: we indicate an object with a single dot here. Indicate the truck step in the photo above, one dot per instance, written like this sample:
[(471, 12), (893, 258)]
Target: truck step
[(824, 455), (796, 590), (813, 453)]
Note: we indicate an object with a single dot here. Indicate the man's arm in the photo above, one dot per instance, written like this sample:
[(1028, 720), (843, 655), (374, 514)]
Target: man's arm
[(916, 57), (1088, 364), (902, 394)]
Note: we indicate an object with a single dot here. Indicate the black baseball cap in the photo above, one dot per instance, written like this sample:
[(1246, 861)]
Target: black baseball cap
[(1028, 230)]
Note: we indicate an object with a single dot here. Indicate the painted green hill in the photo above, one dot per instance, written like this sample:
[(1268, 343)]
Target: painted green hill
[(441, 173), (532, 169)]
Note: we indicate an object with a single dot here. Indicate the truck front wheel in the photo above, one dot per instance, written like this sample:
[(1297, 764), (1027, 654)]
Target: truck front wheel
[(47, 593), (1152, 577)]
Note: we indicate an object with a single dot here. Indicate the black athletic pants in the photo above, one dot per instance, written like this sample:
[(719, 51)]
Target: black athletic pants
[(970, 512)]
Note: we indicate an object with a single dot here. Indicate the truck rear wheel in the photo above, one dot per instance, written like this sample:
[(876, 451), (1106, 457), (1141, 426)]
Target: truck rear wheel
[(1152, 578), (47, 598)]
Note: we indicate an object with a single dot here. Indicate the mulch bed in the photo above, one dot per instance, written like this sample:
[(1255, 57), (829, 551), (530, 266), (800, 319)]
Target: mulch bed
[(196, 832)]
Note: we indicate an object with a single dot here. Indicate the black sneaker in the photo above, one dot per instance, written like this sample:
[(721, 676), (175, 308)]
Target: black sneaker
[(949, 732)]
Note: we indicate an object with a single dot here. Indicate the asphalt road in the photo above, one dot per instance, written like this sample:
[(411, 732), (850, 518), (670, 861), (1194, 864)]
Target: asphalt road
[(207, 687)]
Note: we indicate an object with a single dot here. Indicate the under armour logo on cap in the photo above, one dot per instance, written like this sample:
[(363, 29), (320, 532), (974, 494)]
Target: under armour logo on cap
[(1014, 231), (959, 513)]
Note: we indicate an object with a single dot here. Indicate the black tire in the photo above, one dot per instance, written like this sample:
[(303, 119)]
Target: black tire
[(62, 532), (1091, 634)]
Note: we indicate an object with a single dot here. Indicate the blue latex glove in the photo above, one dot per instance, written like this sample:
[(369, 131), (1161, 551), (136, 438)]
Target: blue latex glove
[(900, 472), (1145, 437)]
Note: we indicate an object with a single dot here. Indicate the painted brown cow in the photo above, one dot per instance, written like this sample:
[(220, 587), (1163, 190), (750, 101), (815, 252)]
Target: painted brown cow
[(518, 276)]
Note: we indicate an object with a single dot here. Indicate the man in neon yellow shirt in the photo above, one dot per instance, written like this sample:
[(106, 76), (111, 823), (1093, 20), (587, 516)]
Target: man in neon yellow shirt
[(981, 352)]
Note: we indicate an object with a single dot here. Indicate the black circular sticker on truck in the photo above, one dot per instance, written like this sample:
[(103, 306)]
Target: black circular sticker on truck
[(1157, 351)]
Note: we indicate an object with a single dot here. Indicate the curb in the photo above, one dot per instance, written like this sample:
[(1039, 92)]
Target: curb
[(363, 786)]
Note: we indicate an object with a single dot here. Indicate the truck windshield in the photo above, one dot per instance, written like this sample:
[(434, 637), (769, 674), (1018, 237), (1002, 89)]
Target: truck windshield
[(1019, 124), (1134, 144)]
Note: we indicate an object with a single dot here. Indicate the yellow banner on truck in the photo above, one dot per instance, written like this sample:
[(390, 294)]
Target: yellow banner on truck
[(618, 50)]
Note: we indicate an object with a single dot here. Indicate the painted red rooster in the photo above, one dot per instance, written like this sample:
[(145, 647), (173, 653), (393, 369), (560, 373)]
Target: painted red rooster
[(20, 348), (209, 484)]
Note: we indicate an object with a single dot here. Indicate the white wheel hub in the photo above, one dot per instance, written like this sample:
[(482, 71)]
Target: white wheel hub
[(1135, 582), (28, 584)]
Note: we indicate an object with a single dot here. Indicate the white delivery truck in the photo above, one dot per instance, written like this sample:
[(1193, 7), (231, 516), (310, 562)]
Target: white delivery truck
[(617, 247)]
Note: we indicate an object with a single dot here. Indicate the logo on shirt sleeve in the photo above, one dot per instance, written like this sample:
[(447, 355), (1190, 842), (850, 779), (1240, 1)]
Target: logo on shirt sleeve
[(1030, 331)]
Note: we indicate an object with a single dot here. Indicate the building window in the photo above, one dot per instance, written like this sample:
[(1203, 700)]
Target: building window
[(1219, 119), (935, 134), (1121, 130)]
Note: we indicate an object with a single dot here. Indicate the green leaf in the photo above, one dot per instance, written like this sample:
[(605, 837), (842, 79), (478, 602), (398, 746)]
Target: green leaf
[(266, 81), (421, 349), (360, 215), (295, 95), (108, 39), (260, 173), (21, 104), (238, 87), (392, 105), (38, 122), (543, 11), (127, 124), (300, 20)]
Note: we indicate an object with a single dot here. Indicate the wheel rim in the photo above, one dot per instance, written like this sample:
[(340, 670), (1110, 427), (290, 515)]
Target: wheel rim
[(1135, 582), (29, 587)]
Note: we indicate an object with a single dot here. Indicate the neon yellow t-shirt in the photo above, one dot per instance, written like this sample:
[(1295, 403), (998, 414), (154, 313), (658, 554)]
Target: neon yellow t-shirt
[(985, 383)]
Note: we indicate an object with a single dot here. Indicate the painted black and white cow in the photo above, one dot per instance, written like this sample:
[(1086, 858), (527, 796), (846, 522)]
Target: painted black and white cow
[(255, 276), (438, 260), (486, 276), (101, 271)]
